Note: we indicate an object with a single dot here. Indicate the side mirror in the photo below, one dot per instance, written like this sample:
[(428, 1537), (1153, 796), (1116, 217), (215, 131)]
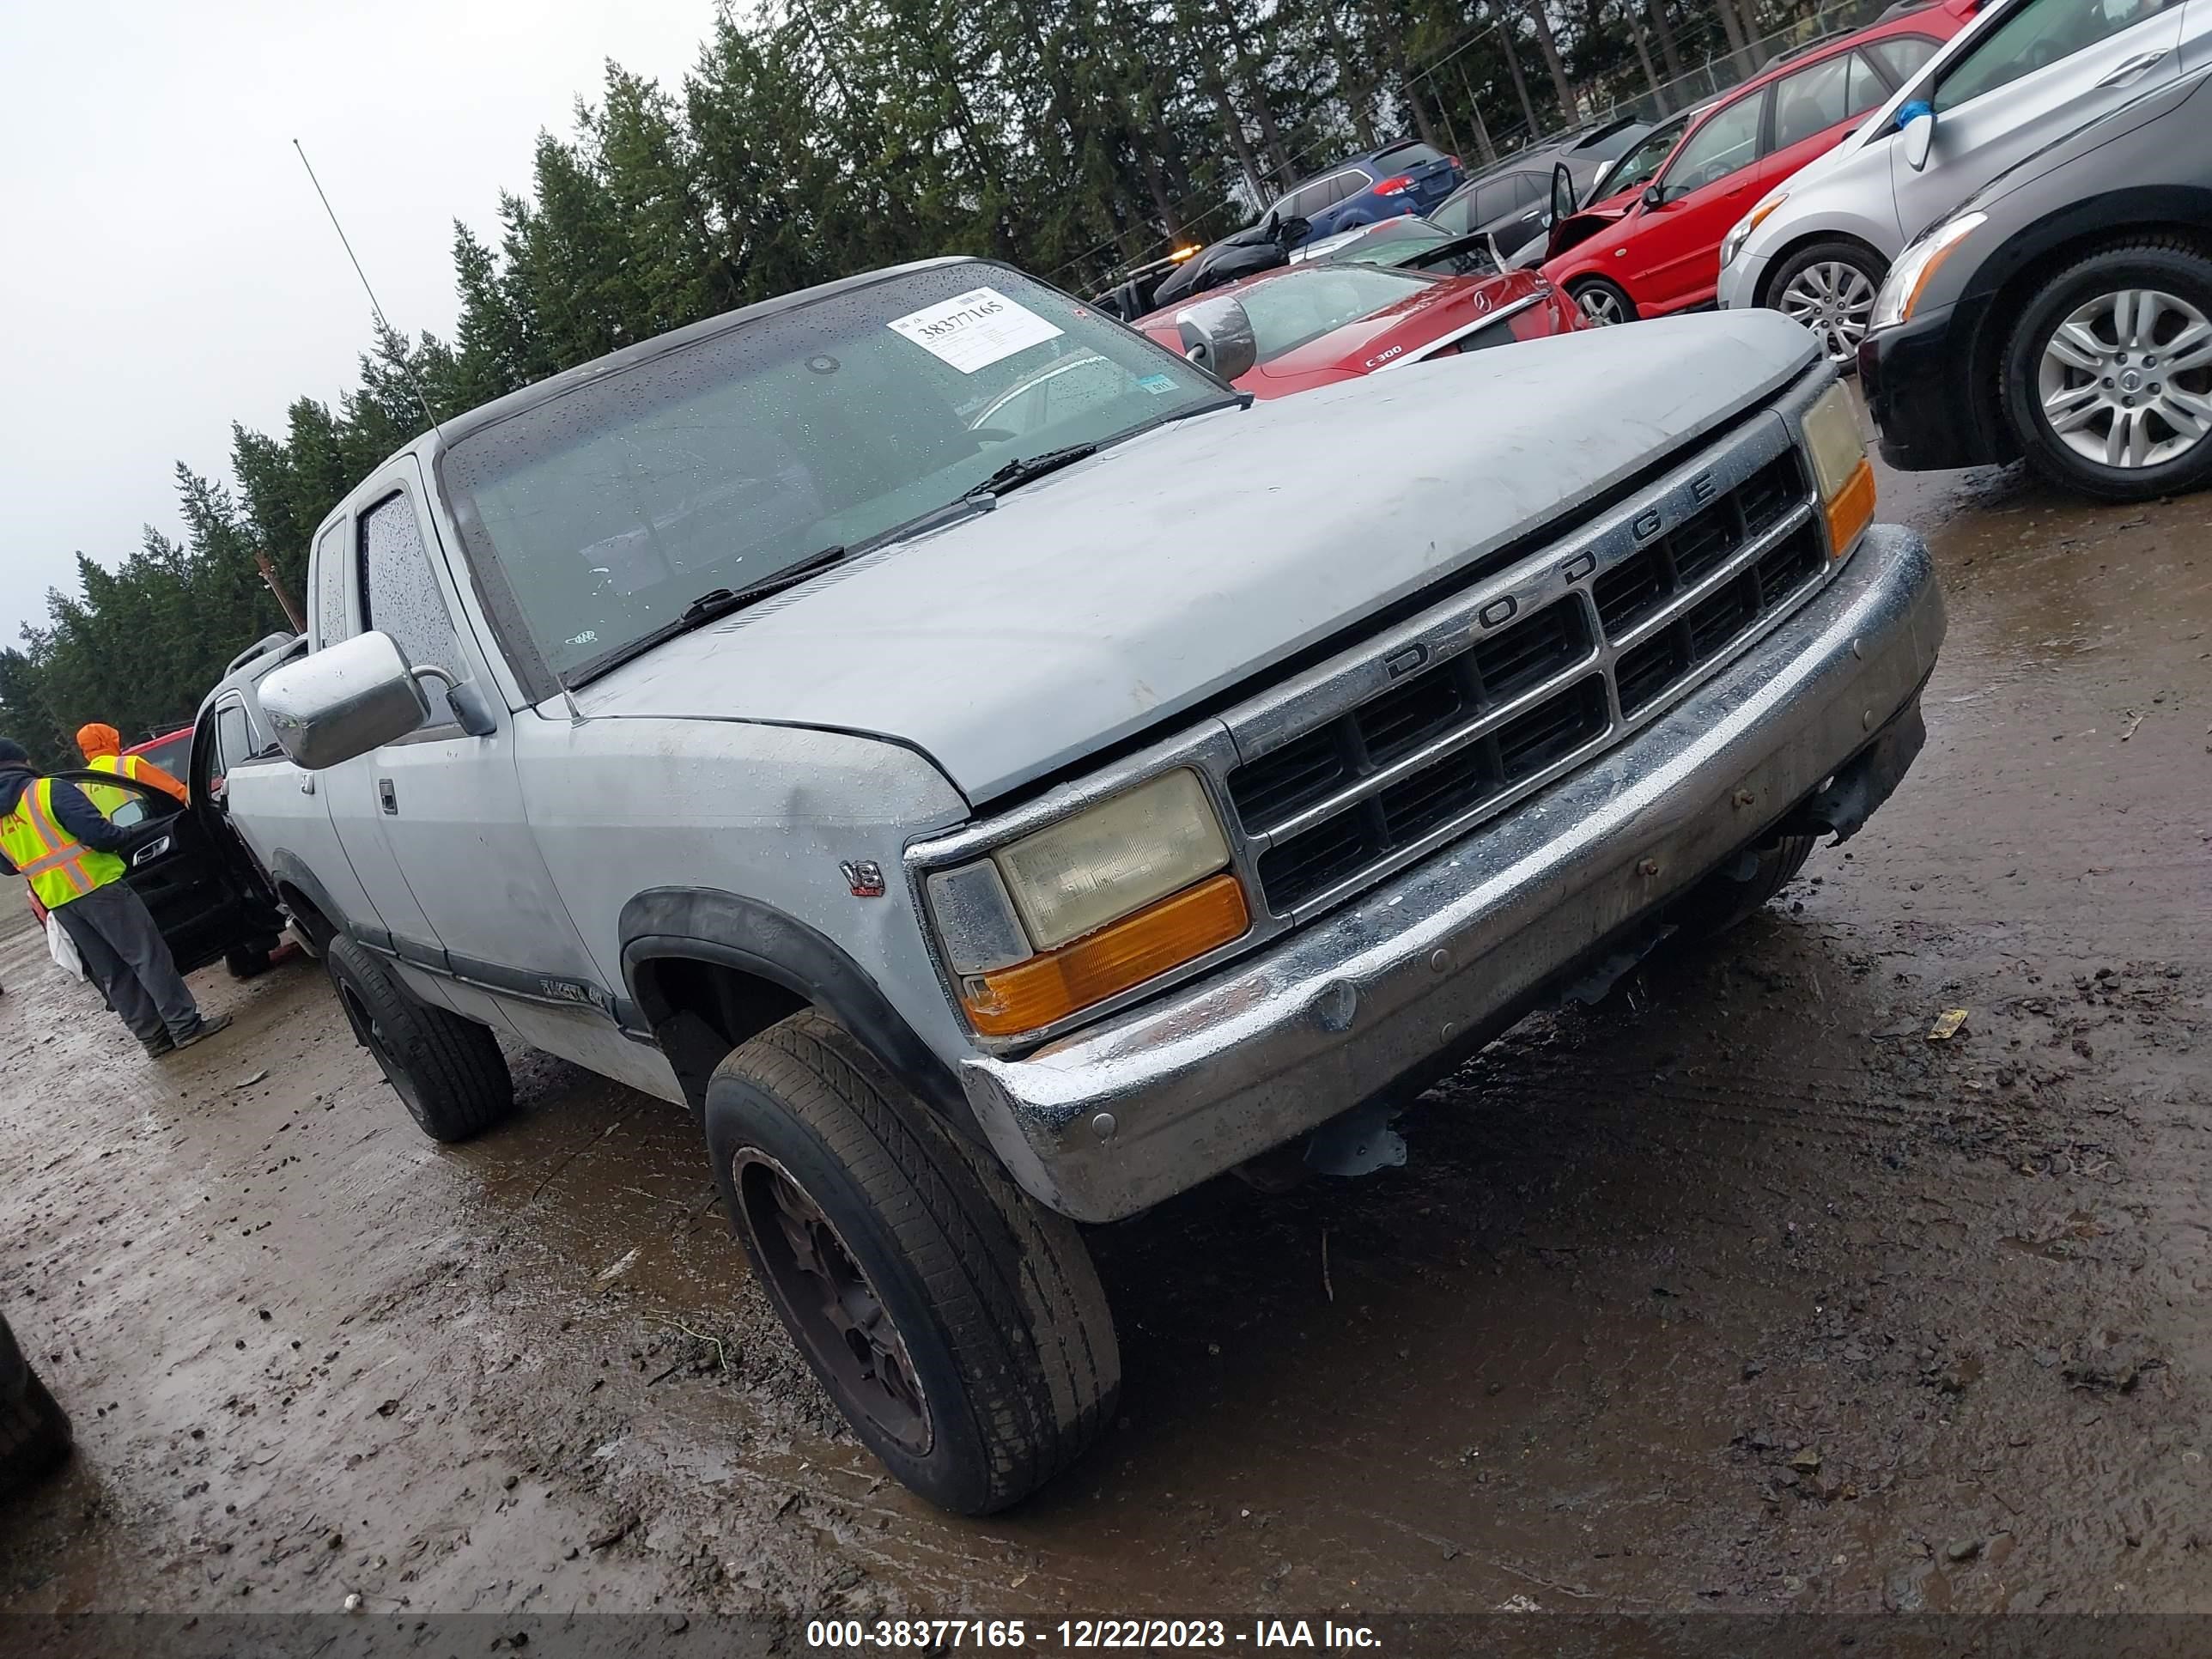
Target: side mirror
[(340, 702), (1917, 121), (1655, 195), (1216, 336)]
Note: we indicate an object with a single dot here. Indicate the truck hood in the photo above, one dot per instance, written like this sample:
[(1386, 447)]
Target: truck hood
[(1114, 596)]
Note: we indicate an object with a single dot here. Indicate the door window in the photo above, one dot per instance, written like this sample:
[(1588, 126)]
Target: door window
[(233, 738), (331, 587), (1903, 55), (399, 595), (1457, 216), (1727, 143), (1641, 165), (1818, 96), (1499, 196), (2041, 33)]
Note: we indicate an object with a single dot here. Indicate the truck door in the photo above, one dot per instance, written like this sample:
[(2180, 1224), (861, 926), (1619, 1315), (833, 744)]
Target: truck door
[(438, 815)]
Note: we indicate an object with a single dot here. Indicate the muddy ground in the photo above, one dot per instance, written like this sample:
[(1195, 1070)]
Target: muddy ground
[(1735, 1293)]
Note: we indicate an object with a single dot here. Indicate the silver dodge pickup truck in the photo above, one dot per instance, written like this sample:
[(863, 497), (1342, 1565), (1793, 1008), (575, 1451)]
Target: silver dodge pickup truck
[(998, 776)]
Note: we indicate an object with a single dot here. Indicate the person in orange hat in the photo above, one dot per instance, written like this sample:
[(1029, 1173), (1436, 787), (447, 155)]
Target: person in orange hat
[(102, 749)]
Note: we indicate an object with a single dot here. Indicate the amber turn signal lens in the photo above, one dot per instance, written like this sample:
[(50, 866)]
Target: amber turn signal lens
[(1852, 510), (1032, 994)]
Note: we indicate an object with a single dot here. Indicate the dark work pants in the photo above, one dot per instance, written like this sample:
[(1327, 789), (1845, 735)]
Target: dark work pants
[(129, 960)]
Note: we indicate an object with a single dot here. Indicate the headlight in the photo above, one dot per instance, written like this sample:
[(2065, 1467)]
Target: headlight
[(1840, 468), (1908, 277), (1077, 913), (1750, 221)]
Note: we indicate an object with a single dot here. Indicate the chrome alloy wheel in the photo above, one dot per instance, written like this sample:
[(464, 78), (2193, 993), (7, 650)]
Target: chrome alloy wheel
[(1601, 307), (1834, 299), (2126, 379)]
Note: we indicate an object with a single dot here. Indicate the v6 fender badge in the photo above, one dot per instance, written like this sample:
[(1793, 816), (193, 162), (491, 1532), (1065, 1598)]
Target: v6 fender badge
[(864, 876)]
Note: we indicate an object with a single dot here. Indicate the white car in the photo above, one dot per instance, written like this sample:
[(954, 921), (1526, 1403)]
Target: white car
[(2022, 73)]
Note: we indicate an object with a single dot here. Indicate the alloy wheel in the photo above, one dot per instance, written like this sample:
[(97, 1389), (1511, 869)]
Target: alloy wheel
[(833, 1307), (1601, 307), (1833, 299), (2126, 379)]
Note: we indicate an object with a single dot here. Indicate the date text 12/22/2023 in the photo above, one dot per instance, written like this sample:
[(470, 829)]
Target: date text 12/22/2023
[(1080, 1635)]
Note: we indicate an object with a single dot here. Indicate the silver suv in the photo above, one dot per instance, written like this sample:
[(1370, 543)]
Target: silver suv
[(2023, 74), (998, 777)]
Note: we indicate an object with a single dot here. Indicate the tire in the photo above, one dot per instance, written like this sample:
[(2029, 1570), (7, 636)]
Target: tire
[(35, 1431), (992, 1364), (1723, 900), (1602, 303), (2082, 299), (1830, 287), (447, 1070), (249, 960)]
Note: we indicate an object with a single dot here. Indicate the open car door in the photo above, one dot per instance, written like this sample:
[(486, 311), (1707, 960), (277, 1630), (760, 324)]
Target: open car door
[(202, 909), (1563, 194)]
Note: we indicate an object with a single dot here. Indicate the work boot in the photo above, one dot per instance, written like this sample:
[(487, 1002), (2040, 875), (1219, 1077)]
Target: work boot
[(159, 1044), (207, 1028)]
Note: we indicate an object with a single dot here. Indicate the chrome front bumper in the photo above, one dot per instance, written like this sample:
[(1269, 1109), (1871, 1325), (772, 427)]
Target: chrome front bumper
[(1110, 1120)]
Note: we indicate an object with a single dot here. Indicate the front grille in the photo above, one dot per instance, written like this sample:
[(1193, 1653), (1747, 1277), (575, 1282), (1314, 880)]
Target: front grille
[(1503, 706)]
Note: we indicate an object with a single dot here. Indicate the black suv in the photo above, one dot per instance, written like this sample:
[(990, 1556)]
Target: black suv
[(209, 898)]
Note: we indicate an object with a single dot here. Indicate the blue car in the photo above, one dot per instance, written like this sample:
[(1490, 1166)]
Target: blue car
[(1407, 176)]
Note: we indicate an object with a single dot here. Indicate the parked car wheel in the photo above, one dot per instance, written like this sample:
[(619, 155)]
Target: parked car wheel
[(1830, 287), (35, 1431), (249, 960), (960, 1328), (2107, 379), (447, 1070), (1728, 898), (1603, 303)]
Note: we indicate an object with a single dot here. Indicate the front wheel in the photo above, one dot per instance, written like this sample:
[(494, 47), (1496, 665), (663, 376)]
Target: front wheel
[(249, 960), (2107, 379), (1830, 287), (1603, 304), (447, 1070), (960, 1328)]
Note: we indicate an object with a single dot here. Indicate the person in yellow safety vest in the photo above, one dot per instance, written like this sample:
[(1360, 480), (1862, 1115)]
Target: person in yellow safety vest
[(102, 749), (72, 857)]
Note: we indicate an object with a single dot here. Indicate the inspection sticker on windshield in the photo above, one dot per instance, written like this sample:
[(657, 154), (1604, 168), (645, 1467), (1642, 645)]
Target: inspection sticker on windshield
[(975, 329)]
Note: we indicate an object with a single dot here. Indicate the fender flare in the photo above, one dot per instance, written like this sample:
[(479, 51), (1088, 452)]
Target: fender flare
[(709, 924), (287, 869)]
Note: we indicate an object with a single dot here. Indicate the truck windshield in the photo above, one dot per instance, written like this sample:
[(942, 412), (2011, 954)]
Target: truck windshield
[(611, 506)]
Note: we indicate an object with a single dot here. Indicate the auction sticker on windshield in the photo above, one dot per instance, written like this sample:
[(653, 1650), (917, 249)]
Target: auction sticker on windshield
[(975, 329)]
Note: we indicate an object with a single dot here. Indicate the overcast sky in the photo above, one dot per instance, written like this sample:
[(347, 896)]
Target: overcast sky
[(167, 269)]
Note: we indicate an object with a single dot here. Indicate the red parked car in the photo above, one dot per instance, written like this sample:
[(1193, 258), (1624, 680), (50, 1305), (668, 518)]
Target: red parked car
[(1314, 324), (1649, 242)]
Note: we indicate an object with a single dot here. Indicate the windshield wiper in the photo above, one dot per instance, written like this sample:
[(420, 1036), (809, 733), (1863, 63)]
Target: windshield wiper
[(1014, 474), (709, 607)]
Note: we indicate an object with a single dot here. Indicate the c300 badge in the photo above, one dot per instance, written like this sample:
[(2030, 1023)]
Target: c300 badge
[(864, 876)]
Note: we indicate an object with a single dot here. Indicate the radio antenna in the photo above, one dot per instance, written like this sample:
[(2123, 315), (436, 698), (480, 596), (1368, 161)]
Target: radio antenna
[(375, 310)]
